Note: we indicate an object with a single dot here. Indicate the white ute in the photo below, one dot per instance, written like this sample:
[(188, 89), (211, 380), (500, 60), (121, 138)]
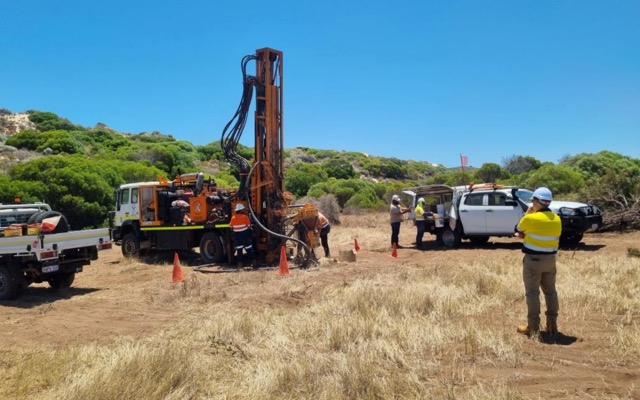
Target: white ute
[(480, 211), (31, 254)]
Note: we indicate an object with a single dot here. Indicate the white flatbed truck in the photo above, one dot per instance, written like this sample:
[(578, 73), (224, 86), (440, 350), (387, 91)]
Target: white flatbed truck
[(38, 257)]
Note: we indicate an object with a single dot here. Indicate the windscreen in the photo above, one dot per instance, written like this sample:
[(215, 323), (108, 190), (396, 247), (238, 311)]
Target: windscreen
[(524, 195)]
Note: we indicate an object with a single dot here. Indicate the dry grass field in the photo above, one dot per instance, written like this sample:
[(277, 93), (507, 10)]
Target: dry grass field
[(433, 324)]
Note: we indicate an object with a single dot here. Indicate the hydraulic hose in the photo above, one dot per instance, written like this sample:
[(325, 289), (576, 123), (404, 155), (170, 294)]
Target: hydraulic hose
[(232, 132), (307, 258)]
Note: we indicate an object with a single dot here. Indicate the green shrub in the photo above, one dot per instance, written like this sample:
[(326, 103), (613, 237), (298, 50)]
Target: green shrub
[(301, 176), (339, 168)]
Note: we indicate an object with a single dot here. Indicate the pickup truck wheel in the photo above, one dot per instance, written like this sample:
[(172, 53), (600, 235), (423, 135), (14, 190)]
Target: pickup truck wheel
[(9, 286), (211, 248), (479, 240), (130, 245), (571, 239), (62, 281), (451, 238)]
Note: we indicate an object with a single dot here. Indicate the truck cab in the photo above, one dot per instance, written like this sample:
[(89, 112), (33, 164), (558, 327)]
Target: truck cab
[(181, 214)]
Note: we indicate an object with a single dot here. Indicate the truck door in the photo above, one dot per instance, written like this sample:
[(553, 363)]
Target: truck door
[(502, 215), (472, 214), (148, 205), (412, 213), (127, 207)]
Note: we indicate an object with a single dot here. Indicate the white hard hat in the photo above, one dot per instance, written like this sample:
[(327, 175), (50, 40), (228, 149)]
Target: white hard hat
[(239, 207), (395, 197), (421, 200), (543, 194)]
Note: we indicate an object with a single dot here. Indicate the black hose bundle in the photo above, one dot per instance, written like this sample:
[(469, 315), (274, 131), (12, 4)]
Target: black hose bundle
[(232, 132)]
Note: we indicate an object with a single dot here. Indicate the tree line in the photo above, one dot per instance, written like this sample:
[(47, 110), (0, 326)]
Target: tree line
[(77, 169)]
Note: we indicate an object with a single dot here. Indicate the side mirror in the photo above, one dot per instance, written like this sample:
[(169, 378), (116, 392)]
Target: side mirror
[(511, 203)]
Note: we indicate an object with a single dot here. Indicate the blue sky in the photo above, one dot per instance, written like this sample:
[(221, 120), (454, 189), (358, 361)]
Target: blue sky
[(418, 80)]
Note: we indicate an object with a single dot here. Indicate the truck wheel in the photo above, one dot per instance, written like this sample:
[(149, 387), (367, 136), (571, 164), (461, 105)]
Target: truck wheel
[(8, 284), (63, 225), (451, 238), (571, 239), (62, 281), (34, 217), (130, 245), (479, 240), (211, 248)]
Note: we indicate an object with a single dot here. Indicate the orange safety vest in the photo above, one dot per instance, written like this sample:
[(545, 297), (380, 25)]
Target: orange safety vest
[(240, 222)]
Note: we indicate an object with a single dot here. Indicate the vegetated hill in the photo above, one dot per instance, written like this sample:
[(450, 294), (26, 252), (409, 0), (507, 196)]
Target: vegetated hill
[(362, 165), (75, 168)]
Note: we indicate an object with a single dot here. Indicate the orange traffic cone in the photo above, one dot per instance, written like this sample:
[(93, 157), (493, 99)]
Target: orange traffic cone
[(177, 270), (394, 252), (284, 265), (355, 241)]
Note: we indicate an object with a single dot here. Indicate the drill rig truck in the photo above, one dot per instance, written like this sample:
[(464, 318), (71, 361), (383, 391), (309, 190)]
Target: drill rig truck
[(192, 211)]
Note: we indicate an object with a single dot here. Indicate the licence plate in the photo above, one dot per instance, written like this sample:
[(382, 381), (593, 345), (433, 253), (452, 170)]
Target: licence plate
[(50, 268)]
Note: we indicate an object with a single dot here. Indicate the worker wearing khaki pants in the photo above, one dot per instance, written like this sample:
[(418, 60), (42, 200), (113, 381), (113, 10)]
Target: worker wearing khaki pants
[(539, 272), (540, 228)]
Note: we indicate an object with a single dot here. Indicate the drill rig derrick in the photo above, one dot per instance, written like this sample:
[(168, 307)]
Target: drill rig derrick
[(191, 211), (262, 183)]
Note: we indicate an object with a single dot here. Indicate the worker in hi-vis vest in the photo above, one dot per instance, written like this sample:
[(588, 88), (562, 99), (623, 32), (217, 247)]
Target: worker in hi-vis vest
[(420, 222), (540, 230), (242, 237)]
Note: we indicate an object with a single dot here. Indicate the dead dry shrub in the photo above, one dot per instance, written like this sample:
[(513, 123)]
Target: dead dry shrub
[(327, 204)]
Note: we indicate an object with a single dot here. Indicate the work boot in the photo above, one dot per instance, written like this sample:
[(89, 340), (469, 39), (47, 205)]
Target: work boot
[(526, 330), (552, 328)]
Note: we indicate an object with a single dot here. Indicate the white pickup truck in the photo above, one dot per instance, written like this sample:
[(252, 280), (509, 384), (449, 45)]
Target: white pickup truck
[(480, 211), (31, 254)]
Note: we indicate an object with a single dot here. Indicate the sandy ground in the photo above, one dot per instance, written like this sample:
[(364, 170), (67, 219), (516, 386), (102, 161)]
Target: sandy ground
[(115, 296)]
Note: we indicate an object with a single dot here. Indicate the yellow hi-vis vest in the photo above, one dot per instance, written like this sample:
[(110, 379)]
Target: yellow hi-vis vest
[(542, 232), (419, 212)]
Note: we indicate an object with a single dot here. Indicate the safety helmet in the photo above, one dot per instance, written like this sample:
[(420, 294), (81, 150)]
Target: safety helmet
[(543, 194), (395, 197), (421, 200), (239, 207)]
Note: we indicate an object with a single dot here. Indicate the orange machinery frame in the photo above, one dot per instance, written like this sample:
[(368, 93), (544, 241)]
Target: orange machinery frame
[(267, 198)]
